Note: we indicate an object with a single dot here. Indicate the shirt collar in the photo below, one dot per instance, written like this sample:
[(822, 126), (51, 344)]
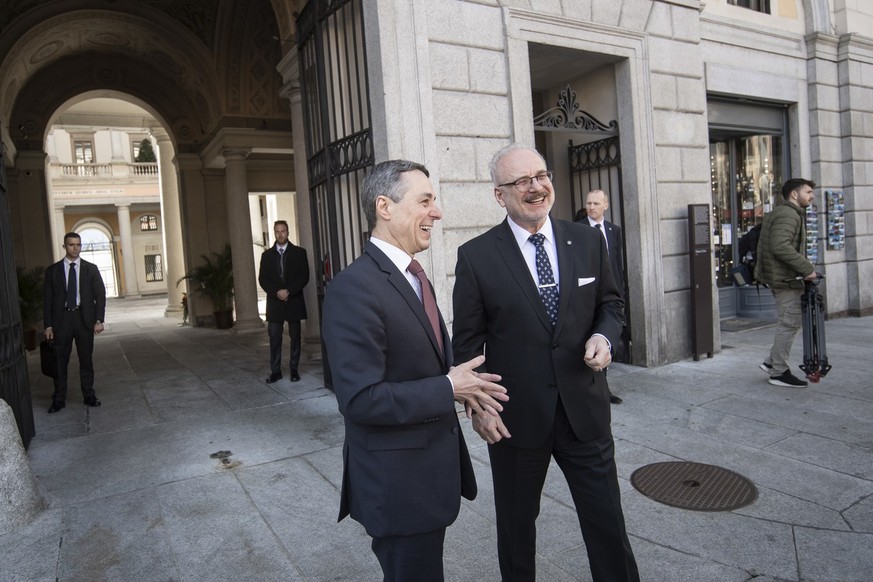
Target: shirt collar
[(593, 222), (282, 248), (396, 255), (522, 235)]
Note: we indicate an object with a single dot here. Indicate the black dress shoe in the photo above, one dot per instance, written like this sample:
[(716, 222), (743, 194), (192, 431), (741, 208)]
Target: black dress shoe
[(613, 399), (295, 377), (56, 406), (274, 378), (92, 402)]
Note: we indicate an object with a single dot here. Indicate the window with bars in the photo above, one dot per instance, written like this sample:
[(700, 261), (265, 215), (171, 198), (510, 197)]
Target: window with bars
[(154, 268), (756, 5), (148, 222)]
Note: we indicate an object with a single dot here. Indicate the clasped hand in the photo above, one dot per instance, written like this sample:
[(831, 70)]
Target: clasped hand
[(477, 390)]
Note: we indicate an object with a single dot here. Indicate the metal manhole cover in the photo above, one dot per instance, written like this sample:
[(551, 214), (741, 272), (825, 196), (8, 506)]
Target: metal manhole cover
[(694, 486)]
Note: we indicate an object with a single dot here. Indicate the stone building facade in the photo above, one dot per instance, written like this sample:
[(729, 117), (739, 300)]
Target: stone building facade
[(690, 102)]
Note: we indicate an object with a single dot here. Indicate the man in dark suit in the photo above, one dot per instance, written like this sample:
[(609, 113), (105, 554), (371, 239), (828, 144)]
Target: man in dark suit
[(596, 204), (405, 461), (74, 308), (538, 297), (283, 274)]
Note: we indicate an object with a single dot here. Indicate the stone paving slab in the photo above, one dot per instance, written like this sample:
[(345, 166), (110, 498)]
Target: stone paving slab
[(133, 493)]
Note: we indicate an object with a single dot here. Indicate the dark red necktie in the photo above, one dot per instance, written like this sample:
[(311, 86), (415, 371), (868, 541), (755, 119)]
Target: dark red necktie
[(427, 298)]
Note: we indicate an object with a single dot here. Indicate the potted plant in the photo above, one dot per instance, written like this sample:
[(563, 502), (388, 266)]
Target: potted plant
[(31, 290), (215, 279)]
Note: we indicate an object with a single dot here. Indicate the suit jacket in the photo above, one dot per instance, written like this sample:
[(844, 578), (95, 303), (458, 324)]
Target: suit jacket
[(405, 461), (498, 312), (92, 294), (616, 250), (296, 276)]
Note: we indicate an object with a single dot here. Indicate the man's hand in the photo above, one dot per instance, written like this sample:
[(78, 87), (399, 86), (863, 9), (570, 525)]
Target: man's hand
[(490, 428), (98, 327), (49, 334), (282, 294), (478, 392), (811, 277), (597, 356)]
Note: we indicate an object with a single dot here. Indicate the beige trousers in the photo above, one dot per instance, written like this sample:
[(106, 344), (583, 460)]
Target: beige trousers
[(787, 326)]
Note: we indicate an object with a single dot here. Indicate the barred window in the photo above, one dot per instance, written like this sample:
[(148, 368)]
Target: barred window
[(756, 5), (154, 268), (148, 222)]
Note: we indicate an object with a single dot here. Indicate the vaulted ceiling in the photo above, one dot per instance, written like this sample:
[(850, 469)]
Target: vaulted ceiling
[(196, 65)]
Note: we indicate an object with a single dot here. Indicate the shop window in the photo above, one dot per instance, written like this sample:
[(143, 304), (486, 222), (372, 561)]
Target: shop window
[(154, 268), (756, 5), (746, 182), (148, 222)]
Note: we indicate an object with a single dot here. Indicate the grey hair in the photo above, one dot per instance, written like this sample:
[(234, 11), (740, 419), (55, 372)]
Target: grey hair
[(385, 179), (499, 155)]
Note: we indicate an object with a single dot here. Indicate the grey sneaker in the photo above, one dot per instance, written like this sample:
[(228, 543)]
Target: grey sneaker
[(766, 367), (788, 380)]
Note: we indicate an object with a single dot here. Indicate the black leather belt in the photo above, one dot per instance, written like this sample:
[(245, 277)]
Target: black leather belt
[(71, 309)]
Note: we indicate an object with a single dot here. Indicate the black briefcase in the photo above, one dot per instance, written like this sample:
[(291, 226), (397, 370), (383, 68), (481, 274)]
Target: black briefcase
[(48, 359)]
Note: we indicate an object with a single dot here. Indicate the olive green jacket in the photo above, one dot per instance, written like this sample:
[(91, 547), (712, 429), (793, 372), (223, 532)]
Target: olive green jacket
[(781, 253)]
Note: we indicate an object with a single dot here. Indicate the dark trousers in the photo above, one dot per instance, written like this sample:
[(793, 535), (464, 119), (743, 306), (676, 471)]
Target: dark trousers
[(415, 558), (72, 328), (274, 330), (589, 467)]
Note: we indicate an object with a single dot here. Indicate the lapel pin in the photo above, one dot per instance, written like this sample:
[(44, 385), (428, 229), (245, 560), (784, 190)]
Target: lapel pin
[(569, 242)]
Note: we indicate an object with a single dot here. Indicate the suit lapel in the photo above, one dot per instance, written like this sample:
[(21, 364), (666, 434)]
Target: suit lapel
[(566, 254), (507, 248), (401, 284)]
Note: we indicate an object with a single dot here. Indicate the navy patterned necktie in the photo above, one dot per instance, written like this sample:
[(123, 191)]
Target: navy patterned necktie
[(282, 263), (71, 287), (547, 286)]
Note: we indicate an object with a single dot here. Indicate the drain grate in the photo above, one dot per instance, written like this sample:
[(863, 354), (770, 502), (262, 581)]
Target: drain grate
[(694, 486)]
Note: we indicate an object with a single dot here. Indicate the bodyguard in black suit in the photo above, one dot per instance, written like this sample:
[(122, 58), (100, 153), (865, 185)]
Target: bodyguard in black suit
[(73, 309), (545, 309), (283, 274), (405, 462), (596, 205)]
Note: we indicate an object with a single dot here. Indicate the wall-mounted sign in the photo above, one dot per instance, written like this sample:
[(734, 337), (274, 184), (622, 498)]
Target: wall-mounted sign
[(836, 234)]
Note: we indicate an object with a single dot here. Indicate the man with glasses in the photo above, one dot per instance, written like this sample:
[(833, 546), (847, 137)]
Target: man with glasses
[(538, 298)]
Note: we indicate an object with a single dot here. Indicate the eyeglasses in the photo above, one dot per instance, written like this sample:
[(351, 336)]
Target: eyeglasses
[(524, 184)]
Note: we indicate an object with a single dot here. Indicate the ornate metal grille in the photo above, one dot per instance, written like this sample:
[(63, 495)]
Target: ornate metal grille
[(597, 166), (14, 379), (339, 140), (336, 112)]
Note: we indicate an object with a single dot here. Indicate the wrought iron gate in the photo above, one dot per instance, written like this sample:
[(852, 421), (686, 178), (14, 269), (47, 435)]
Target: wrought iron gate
[(339, 143), (14, 379), (597, 166)]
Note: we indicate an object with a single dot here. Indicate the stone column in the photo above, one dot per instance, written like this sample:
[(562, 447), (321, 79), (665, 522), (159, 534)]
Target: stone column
[(239, 233), (59, 229), (171, 223), (20, 497), (291, 91), (31, 194), (131, 288)]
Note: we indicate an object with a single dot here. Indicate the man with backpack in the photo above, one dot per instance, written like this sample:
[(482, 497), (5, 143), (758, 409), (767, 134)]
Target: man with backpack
[(782, 265)]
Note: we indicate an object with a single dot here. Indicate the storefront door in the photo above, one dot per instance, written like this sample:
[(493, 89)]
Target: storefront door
[(746, 177)]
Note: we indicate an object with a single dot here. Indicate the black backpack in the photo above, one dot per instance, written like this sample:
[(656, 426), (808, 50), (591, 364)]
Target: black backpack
[(744, 273)]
